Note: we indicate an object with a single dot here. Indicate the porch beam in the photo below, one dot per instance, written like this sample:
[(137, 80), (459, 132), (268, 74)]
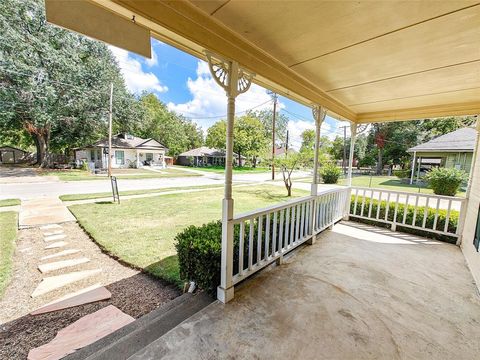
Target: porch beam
[(234, 80), (353, 136), (319, 114)]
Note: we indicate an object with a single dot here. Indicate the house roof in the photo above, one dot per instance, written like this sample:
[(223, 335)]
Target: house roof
[(2, 147), (459, 140), (126, 141), (205, 151)]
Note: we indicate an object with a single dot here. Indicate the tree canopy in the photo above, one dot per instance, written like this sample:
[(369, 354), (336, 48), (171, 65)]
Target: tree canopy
[(54, 84)]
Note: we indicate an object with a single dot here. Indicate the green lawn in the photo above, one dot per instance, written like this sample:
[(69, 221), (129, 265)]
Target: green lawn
[(141, 231), (73, 197), (10, 202), (79, 175), (384, 182), (221, 169), (8, 236)]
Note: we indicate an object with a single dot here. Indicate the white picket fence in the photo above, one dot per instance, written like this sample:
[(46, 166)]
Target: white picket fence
[(421, 208), (266, 235)]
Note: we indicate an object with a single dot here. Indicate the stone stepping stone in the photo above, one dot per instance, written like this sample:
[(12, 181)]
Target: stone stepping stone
[(81, 333), (54, 237), (61, 253), (45, 268), (51, 226), (56, 232), (56, 245), (54, 282), (85, 296)]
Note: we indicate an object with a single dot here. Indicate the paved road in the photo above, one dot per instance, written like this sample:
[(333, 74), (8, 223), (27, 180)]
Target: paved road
[(32, 190)]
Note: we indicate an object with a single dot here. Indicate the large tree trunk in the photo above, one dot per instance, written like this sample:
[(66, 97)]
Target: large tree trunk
[(380, 161), (41, 138)]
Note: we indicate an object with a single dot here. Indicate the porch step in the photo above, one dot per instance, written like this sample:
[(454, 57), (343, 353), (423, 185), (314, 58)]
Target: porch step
[(130, 339)]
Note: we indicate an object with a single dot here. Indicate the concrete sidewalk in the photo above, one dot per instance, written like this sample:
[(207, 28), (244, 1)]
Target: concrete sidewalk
[(43, 211)]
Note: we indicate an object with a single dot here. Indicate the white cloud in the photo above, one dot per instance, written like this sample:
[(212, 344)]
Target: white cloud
[(209, 99), (297, 127), (136, 79)]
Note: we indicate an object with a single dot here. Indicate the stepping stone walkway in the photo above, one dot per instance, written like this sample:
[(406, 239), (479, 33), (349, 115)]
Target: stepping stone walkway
[(81, 333), (54, 282), (54, 237), (56, 232), (56, 245), (59, 254), (84, 296), (44, 268), (51, 226)]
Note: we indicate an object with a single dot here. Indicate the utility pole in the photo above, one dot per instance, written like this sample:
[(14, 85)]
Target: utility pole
[(110, 133), (286, 146), (274, 96)]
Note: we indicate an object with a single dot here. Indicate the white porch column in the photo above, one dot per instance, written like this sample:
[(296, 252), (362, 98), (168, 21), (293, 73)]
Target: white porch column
[(474, 158), (319, 114), (138, 159), (353, 136), (234, 80), (413, 167), (419, 167)]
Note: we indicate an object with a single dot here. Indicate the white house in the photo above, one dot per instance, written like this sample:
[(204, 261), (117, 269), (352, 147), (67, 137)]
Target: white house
[(128, 151)]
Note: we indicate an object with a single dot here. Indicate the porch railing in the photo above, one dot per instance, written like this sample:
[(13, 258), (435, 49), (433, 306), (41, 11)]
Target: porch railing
[(266, 235), (436, 214)]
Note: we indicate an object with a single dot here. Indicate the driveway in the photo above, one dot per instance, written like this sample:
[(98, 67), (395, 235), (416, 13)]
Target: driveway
[(15, 175)]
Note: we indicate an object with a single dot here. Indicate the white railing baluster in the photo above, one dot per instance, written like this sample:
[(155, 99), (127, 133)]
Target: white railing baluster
[(259, 239), (447, 218), (267, 236), (435, 220), (297, 223), (387, 209), (425, 212), (356, 201), (241, 247), (250, 245), (274, 236), (302, 220), (379, 205), (415, 210), (370, 205), (292, 227), (405, 210), (281, 231), (363, 202), (287, 225)]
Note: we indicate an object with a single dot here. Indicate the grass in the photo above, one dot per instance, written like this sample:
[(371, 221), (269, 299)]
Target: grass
[(8, 236), (74, 197), (141, 231), (10, 202), (221, 169), (386, 182), (80, 175)]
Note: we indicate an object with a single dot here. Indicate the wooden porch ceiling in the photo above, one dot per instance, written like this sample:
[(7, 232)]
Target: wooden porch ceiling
[(365, 61)]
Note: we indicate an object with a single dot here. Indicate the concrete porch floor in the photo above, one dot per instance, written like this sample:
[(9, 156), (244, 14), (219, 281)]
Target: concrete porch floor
[(359, 292)]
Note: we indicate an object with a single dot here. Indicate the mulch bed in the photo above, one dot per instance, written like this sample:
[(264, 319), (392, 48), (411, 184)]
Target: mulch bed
[(136, 296)]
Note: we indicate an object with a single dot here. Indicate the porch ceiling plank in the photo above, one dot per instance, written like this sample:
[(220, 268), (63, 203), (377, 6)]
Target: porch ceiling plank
[(364, 61)]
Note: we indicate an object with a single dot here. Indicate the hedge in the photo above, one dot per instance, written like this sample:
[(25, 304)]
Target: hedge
[(442, 215), (402, 174), (199, 250)]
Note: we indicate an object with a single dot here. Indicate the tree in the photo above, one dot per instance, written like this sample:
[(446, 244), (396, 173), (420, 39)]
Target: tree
[(281, 124), (248, 137), (174, 131), (287, 164), (54, 84), (308, 140)]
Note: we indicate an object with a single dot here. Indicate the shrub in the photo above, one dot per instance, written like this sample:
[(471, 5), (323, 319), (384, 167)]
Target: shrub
[(445, 181), (330, 173), (402, 174), (84, 166), (410, 209)]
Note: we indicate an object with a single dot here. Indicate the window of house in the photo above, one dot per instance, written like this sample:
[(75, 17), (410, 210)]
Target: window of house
[(92, 155), (476, 238), (119, 157), (149, 156)]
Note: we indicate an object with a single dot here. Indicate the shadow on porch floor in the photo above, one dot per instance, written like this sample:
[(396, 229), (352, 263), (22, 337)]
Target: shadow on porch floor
[(360, 292)]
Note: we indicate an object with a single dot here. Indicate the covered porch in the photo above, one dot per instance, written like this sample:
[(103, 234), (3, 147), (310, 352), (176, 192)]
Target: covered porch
[(360, 292)]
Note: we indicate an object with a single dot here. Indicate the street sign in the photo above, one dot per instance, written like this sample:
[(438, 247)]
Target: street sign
[(116, 196)]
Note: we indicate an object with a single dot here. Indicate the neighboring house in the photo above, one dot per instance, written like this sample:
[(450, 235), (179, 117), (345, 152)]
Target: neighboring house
[(128, 151), (452, 150), (12, 155), (204, 156)]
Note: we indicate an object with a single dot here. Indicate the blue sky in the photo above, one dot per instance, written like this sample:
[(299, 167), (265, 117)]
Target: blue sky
[(184, 83)]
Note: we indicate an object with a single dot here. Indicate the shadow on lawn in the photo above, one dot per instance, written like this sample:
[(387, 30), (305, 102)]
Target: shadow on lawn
[(135, 296), (166, 269)]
